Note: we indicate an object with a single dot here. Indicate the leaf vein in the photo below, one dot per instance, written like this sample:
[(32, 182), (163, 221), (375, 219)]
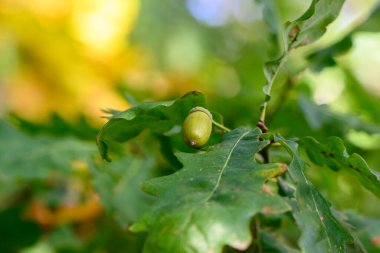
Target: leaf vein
[(316, 209), (225, 166)]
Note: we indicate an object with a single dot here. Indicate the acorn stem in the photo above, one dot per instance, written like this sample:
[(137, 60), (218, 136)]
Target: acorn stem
[(221, 126)]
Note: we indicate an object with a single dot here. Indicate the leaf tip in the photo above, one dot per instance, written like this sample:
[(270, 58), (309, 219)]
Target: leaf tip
[(192, 93)]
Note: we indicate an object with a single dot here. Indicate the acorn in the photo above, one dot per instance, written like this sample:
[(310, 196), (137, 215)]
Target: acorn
[(197, 127)]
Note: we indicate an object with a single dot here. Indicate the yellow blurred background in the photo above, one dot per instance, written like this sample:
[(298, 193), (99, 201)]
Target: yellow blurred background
[(66, 56)]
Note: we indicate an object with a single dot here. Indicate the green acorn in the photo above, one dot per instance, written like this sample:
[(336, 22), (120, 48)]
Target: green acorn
[(196, 128)]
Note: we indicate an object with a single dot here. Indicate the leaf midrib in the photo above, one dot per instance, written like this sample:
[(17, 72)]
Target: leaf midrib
[(224, 167), (306, 181)]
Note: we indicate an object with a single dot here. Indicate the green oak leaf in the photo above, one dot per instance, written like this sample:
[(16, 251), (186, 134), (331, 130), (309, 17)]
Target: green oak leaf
[(333, 154), (312, 24), (210, 202), (321, 230), (159, 117), (300, 32)]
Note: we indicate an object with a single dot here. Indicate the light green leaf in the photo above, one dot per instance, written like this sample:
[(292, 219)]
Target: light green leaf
[(333, 154), (210, 202), (321, 231), (324, 57), (118, 185), (305, 30), (35, 157), (158, 117), (313, 23), (371, 24)]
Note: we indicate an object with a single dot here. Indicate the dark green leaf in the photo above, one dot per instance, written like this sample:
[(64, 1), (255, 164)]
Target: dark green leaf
[(118, 185), (272, 20), (362, 100), (321, 231), (57, 126), (16, 232), (26, 157), (368, 230), (333, 154), (210, 202), (324, 57), (158, 117), (271, 245)]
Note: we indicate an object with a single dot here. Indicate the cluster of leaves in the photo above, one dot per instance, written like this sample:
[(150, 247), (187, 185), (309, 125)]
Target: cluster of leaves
[(222, 193), (167, 197), (220, 188)]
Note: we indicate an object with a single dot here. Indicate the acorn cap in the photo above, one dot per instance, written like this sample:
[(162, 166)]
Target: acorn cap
[(201, 109)]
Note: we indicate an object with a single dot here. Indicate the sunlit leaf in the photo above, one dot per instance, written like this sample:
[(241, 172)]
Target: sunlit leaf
[(210, 202), (302, 31), (313, 23), (371, 24)]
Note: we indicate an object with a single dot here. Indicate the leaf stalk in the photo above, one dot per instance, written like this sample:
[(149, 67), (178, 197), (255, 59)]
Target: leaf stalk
[(221, 126), (261, 123)]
